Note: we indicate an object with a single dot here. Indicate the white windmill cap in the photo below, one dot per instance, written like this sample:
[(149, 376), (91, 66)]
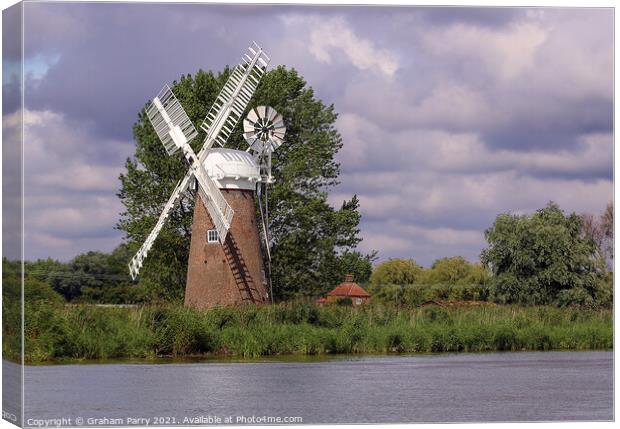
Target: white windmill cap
[(232, 169)]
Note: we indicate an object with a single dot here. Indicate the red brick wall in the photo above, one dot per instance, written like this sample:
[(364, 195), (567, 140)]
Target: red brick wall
[(231, 274)]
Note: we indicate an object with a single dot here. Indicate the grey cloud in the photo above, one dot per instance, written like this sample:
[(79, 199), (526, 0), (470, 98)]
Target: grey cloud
[(11, 58), (11, 186), (11, 95), (11, 33), (69, 188), (483, 16), (425, 245), (459, 205), (371, 149), (551, 75)]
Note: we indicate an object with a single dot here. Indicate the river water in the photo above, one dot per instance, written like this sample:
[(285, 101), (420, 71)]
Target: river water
[(523, 386)]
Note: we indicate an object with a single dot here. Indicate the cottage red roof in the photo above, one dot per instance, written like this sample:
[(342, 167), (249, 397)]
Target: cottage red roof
[(349, 288)]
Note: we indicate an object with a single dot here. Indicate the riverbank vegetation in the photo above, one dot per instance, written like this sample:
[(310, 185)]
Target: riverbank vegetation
[(56, 331)]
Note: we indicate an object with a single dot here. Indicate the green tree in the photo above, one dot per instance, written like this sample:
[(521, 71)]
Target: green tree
[(455, 271), (35, 290), (348, 262), (395, 272), (107, 277), (41, 268), (308, 235), (541, 259), (356, 263), (90, 277)]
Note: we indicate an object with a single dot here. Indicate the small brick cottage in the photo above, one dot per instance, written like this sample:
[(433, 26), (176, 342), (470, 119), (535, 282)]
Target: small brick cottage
[(347, 289)]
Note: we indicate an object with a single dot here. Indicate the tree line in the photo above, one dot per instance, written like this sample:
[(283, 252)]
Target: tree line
[(544, 258)]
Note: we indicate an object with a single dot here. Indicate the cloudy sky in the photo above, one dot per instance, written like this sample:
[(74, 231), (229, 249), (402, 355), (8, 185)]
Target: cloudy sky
[(449, 116)]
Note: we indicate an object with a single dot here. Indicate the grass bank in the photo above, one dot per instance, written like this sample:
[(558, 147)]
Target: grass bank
[(89, 332)]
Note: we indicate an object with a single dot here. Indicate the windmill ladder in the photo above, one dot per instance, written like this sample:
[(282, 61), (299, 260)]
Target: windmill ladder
[(240, 271)]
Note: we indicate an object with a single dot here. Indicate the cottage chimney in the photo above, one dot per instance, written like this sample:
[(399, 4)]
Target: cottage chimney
[(348, 278)]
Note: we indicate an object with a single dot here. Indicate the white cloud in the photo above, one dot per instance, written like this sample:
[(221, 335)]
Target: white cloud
[(333, 37), (576, 61), (506, 52), (385, 242), (453, 105), (453, 237), (82, 177), (445, 215), (60, 153)]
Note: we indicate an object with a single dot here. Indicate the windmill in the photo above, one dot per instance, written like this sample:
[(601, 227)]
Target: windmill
[(225, 264)]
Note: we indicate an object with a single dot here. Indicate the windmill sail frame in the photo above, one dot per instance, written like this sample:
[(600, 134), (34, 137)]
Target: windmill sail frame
[(175, 130), (234, 97), (166, 112)]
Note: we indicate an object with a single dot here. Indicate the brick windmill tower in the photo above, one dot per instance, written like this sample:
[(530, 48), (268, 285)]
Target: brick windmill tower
[(225, 263)]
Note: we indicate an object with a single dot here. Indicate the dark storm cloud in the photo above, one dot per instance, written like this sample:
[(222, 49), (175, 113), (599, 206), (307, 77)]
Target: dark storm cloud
[(121, 54), (449, 115), (551, 128)]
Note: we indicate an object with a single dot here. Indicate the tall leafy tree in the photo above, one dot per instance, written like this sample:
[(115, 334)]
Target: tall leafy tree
[(542, 258), (308, 235)]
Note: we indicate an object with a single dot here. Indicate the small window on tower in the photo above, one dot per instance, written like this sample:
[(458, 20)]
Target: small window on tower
[(212, 236)]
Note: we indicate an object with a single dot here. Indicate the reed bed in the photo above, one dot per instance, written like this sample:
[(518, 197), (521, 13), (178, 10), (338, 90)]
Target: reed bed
[(78, 332)]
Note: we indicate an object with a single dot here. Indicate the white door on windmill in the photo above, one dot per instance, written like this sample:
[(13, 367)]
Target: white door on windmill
[(175, 130)]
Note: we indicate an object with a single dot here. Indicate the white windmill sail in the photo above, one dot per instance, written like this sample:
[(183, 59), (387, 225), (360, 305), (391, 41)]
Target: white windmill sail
[(137, 260), (171, 113), (234, 98), (165, 113), (221, 120), (175, 130)]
